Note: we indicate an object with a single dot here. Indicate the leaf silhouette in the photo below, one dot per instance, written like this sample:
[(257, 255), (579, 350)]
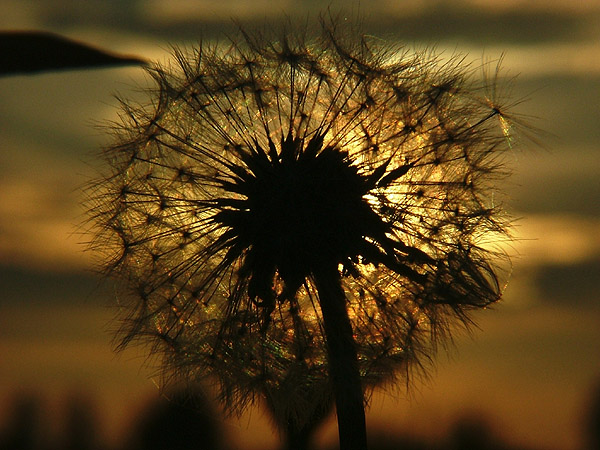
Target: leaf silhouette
[(32, 51)]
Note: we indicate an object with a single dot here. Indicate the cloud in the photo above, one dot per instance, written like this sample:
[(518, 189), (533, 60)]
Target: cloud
[(557, 262), (459, 21), (38, 220), (478, 21), (23, 285), (574, 284), (562, 181), (556, 240)]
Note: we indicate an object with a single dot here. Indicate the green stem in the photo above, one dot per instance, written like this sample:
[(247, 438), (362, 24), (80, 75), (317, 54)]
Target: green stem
[(343, 360)]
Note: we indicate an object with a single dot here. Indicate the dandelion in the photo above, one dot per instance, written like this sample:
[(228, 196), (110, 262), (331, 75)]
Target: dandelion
[(303, 219)]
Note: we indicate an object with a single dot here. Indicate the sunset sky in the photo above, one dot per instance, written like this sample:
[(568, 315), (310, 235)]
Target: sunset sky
[(532, 366)]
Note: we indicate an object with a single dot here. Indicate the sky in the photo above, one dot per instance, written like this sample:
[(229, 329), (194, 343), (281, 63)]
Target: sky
[(532, 365)]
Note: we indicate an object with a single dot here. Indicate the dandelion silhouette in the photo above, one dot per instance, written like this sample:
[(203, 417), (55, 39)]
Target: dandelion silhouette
[(303, 219)]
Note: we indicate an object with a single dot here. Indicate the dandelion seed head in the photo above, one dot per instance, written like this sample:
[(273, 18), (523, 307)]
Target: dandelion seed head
[(256, 164)]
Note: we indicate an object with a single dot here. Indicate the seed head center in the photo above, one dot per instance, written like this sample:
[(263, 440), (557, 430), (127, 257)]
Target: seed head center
[(302, 210), (308, 207)]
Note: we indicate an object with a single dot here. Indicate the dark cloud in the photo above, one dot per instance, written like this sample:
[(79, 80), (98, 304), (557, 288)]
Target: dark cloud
[(447, 21), (560, 193), (451, 21), (576, 284), (565, 105), (20, 285), (562, 176)]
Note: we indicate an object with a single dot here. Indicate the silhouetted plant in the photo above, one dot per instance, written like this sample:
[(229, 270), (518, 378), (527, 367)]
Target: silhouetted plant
[(185, 420), (592, 421), (27, 52), (80, 430), (23, 429), (304, 219)]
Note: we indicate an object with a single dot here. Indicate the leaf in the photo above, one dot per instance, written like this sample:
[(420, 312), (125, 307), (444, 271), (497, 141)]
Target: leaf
[(32, 51)]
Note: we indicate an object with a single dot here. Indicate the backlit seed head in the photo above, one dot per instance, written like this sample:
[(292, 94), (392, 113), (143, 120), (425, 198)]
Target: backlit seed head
[(255, 164)]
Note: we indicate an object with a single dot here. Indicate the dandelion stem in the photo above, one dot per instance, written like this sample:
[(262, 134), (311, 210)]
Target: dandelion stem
[(343, 360), (298, 436), (297, 439)]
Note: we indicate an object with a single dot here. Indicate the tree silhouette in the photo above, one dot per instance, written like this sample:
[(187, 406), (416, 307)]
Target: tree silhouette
[(184, 420), (23, 431), (303, 219), (593, 419), (81, 425)]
